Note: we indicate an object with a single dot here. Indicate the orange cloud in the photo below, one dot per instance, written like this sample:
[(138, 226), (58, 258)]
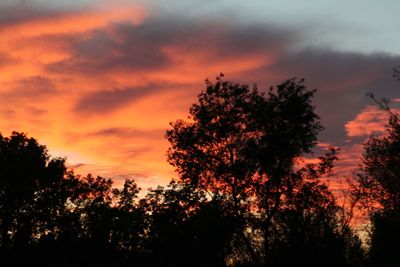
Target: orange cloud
[(73, 21), (370, 120)]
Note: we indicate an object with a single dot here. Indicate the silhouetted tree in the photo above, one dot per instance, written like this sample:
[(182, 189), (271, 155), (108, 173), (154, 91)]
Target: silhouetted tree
[(243, 144), (308, 230), (25, 171), (129, 225), (186, 229), (379, 178), (51, 217)]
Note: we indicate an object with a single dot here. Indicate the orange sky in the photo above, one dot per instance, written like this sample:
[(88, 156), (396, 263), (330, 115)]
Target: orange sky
[(101, 85)]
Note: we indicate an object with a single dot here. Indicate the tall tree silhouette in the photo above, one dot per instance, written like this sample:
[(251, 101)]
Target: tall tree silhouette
[(242, 143)]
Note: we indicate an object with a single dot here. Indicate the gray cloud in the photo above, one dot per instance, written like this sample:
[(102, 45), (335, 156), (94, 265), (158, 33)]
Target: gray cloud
[(105, 101), (24, 11), (98, 52), (128, 133), (126, 47), (342, 80)]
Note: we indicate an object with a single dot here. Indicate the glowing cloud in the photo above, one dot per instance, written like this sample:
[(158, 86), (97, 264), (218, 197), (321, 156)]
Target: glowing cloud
[(370, 120)]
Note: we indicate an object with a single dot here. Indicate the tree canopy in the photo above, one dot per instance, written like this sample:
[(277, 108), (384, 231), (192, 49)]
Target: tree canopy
[(244, 144)]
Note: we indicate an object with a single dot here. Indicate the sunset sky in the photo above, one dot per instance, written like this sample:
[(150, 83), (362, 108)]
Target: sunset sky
[(99, 81)]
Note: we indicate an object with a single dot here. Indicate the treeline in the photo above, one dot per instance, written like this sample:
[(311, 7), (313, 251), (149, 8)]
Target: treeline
[(243, 197)]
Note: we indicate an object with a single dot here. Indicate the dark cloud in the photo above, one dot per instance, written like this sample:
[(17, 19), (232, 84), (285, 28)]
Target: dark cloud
[(128, 133), (126, 47), (342, 80), (99, 52), (78, 165), (109, 100), (335, 70), (26, 11)]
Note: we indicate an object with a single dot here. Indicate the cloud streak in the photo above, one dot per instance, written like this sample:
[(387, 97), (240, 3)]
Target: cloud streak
[(107, 101)]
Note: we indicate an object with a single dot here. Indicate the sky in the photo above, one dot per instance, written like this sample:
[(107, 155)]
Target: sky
[(99, 81)]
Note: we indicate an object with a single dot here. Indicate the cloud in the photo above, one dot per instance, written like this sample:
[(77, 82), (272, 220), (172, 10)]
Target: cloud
[(173, 51), (371, 120), (337, 71), (35, 86), (154, 45), (108, 100), (99, 52), (77, 165), (342, 80), (23, 11), (139, 71), (6, 59), (30, 93), (129, 133)]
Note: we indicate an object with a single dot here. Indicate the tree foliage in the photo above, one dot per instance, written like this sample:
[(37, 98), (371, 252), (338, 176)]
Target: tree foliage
[(379, 189), (244, 144)]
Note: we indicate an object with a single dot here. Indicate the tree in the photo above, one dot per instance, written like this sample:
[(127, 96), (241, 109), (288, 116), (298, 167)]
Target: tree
[(379, 189), (52, 216), (187, 229), (308, 230), (244, 144), (25, 170), (129, 223)]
